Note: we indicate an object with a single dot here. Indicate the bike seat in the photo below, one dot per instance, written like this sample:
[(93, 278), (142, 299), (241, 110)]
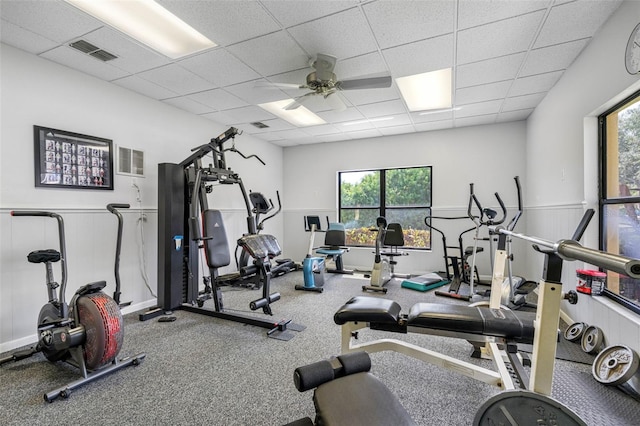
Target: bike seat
[(43, 256)]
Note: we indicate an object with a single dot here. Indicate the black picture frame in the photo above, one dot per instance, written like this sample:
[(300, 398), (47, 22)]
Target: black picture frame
[(72, 160)]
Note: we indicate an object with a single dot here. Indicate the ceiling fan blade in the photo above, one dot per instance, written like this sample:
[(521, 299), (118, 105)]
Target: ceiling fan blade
[(335, 101), (365, 83), (324, 65), (297, 102), (269, 85)]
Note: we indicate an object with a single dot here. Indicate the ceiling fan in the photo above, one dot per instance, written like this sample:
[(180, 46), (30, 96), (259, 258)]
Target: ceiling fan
[(323, 82)]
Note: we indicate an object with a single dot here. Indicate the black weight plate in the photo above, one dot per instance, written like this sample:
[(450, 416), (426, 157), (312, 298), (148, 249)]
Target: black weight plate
[(525, 408)]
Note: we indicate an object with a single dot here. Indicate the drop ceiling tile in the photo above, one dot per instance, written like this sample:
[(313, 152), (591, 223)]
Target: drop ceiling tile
[(477, 120), (353, 126), (481, 108), (485, 92), (519, 115), (224, 21), (523, 102), (334, 138), (434, 125), (361, 134), (328, 35), (308, 140), (397, 130), (219, 67), (251, 94), (73, 59), (55, 20), (430, 116), (369, 96), (349, 114), (144, 87), (552, 58), (176, 79), (21, 38), (422, 56), (380, 109), (183, 102), (270, 137), (220, 117), (271, 54), (248, 114), (291, 134), (131, 56), (489, 71), (472, 13), (420, 20), (573, 21), (392, 121), (535, 83), (498, 39), (276, 125), (218, 99), (290, 13), (361, 66), (322, 129)]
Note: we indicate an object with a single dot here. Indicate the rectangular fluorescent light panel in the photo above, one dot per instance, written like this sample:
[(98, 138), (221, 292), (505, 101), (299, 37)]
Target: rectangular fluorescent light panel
[(430, 90), (300, 117), (149, 23)]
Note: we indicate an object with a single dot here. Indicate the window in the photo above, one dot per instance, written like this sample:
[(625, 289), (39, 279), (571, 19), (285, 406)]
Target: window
[(130, 162), (401, 195), (620, 194)]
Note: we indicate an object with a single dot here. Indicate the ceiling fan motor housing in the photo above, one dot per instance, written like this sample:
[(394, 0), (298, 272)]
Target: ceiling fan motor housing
[(314, 83)]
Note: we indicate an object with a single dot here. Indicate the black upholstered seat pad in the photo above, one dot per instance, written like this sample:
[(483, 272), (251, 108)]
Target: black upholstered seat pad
[(511, 325), (368, 309), (358, 400)]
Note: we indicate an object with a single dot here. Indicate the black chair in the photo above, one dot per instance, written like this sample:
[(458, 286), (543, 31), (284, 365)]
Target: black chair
[(393, 240)]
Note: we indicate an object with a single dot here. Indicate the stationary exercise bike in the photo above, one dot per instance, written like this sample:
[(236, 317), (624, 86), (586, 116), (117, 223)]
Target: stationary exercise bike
[(381, 272), (87, 333), (313, 267)]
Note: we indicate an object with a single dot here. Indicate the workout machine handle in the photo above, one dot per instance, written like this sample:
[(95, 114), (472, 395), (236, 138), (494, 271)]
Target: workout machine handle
[(114, 206), (512, 224), (474, 200), (61, 239)]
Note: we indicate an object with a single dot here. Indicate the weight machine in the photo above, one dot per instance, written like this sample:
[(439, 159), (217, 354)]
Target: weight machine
[(182, 200)]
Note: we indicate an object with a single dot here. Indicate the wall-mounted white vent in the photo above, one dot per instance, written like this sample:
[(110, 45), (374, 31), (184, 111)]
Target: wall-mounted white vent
[(130, 162), (91, 50)]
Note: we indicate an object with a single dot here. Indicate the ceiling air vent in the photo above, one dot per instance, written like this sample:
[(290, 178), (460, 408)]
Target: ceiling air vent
[(91, 50), (259, 125)]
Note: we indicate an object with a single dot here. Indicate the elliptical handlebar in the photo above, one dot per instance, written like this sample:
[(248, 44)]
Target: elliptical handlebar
[(483, 211), (113, 207), (61, 239)]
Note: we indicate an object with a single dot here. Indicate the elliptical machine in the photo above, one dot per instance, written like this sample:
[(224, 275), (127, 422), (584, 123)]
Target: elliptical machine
[(113, 208), (381, 272), (87, 333)]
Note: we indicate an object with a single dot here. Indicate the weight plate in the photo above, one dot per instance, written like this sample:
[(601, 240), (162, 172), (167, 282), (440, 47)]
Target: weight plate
[(525, 408), (574, 332), (592, 340), (615, 365)]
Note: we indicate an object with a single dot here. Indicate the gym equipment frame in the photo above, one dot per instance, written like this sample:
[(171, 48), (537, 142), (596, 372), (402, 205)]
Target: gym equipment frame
[(428, 319), (182, 199)]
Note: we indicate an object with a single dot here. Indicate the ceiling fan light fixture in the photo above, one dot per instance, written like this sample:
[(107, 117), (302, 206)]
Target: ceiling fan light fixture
[(149, 23), (430, 90), (300, 116)]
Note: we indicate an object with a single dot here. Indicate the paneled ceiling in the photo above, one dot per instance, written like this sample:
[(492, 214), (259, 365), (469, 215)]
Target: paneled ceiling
[(505, 55)]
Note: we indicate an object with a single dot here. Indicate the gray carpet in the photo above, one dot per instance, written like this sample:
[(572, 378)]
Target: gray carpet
[(202, 370)]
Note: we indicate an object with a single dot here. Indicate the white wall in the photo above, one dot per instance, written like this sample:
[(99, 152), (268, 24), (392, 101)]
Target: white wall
[(562, 169), (38, 92), (489, 156)]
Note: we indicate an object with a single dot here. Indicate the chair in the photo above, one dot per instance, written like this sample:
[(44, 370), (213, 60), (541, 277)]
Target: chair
[(393, 239), (334, 247)]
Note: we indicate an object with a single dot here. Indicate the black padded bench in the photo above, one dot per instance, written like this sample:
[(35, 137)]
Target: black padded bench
[(384, 314)]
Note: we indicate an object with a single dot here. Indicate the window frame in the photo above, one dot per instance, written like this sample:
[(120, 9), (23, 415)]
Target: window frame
[(604, 201), (382, 207)]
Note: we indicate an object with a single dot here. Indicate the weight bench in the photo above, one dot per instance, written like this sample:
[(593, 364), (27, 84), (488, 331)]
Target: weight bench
[(494, 334)]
